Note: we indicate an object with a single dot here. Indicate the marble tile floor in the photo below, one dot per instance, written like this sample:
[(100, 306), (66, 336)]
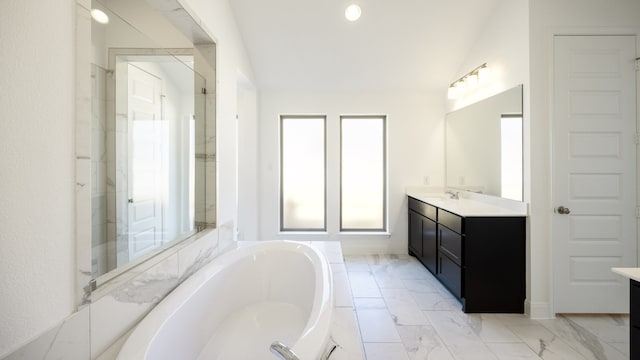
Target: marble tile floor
[(404, 313)]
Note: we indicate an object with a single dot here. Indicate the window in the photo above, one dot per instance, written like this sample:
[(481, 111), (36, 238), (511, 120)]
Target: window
[(511, 156), (302, 177), (363, 173)]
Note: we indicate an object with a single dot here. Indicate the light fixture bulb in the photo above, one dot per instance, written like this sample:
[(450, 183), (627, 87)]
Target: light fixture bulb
[(484, 74), (99, 16), (353, 12), (472, 81)]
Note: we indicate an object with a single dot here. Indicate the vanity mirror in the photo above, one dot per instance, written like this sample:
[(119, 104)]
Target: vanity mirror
[(484, 146), (152, 132)]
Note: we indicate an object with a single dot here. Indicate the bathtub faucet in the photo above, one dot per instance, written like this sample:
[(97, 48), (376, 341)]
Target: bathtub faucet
[(283, 351)]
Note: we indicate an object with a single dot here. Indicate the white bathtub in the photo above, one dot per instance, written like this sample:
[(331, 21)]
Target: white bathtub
[(240, 303)]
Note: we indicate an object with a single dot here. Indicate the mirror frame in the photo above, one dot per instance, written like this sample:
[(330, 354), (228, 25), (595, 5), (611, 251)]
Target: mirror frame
[(205, 56)]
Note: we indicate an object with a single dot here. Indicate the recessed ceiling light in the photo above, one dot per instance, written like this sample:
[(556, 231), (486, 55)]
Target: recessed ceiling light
[(353, 12), (99, 16)]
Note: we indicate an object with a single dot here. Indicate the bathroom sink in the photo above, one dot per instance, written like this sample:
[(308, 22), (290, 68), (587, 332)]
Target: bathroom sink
[(437, 198)]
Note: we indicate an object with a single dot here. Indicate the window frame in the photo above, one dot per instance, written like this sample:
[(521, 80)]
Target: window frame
[(281, 195), (385, 176)]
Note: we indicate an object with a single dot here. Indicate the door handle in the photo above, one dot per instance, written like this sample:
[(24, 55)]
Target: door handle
[(563, 210)]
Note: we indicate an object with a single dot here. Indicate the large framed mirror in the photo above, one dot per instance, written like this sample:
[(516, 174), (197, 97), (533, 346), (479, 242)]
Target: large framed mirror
[(484, 146), (152, 132)]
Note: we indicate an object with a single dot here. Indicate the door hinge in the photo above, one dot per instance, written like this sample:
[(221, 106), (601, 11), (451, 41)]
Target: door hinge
[(638, 64), (637, 212), (636, 138), (204, 91)]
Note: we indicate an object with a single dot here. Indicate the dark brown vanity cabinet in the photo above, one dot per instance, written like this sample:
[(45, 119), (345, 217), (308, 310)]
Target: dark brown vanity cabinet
[(634, 319), (480, 259)]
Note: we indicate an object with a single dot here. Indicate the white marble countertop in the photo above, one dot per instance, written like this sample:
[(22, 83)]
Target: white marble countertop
[(471, 207), (631, 273)]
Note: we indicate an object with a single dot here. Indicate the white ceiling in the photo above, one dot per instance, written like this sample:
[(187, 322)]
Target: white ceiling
[(308, 45)]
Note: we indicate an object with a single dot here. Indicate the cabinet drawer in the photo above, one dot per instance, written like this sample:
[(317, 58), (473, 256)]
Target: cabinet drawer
[(452, 221), (450, 275), (423, 208), (450, 243)]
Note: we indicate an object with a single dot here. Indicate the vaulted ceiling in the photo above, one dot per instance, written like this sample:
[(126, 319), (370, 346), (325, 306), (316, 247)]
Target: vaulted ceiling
[(308, 45)]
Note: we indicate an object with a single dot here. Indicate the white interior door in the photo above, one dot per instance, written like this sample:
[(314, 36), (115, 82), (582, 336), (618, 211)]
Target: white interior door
[(594, 172), (145, 161)]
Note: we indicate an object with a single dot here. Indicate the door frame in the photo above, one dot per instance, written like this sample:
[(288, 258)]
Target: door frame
[(580, 31)]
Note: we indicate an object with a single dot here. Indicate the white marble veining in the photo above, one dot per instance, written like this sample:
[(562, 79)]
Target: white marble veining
[(585, 342), (123, 302), (448, 333), (470, 207), (423, 342)]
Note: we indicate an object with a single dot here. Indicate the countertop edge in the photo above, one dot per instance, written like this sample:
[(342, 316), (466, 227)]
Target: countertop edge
[(475, 208), (631, 273)]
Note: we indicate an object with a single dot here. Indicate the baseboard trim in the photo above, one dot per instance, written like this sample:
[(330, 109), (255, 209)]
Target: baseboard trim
[(538, 310)]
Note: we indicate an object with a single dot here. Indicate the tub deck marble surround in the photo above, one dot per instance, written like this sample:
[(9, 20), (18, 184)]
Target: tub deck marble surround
[(404, 313), (345, 332)]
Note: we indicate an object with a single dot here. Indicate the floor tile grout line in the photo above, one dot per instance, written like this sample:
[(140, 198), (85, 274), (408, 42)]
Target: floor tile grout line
[(355, 313)]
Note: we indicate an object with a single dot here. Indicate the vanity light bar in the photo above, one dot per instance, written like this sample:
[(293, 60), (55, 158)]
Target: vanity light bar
[(468, 81)]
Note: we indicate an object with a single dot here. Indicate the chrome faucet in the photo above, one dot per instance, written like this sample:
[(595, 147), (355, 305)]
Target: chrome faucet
[(453, 195), (283, 351)]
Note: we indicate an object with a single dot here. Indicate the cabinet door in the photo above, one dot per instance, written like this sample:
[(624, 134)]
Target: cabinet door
[(415, 234), (429, 244)]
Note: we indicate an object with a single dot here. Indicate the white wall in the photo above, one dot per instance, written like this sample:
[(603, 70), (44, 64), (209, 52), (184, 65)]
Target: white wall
[(247, 143), (549, 17), (503, 45), (37, 194), (415, 148), (36, 167)]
